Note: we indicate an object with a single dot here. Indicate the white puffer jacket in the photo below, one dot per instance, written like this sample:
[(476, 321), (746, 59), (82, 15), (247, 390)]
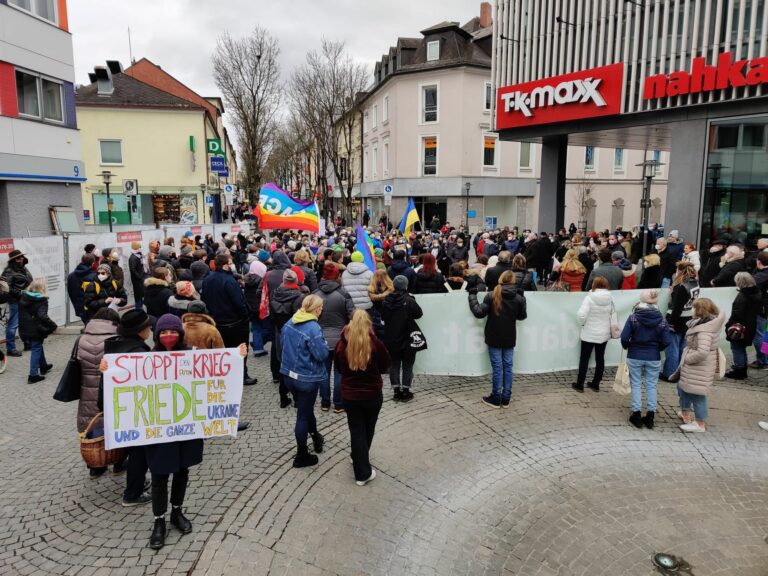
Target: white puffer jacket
[(694, 258), (595, 316), (698, 364), (355, 281)]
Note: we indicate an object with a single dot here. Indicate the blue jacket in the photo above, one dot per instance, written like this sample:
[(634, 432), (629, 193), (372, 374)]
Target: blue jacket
[(645, 334), (224, 299), (304, 350), (82, 273)]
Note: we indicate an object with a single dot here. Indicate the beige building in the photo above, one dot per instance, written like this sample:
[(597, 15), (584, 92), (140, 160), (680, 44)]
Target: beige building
[(156, 138)]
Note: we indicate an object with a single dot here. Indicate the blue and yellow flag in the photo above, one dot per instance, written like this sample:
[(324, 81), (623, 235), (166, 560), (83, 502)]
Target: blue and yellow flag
[(409, 218)]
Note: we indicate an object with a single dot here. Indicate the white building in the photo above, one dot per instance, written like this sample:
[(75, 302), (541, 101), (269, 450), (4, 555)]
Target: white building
[(39, 143)]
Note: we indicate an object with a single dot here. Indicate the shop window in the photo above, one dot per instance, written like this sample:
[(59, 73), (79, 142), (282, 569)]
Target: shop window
[(489, 152), (429, 156), (429, 103), (111, 151), (727, 136), (167, 208), (589, 159)]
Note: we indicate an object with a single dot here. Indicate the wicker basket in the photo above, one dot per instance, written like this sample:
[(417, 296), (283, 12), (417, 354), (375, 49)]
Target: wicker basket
[(92, 449)]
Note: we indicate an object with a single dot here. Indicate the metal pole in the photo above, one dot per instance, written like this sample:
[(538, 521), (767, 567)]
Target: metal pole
[(646, 208), (65, 236), (109, 207)]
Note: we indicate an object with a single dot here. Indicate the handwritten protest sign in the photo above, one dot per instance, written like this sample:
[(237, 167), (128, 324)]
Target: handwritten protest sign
[(158, 397)]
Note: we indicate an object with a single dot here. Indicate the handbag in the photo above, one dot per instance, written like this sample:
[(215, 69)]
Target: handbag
[(720, 365), (71, 379), (615, 328), (557, 286), (416, 339), (735, 332), (264, 304), (621, 381)]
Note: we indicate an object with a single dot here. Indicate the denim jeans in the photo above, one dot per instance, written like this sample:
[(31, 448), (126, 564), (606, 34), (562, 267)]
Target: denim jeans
[(325, 385), (673, 353), (501, 362), (698, 402), (37, 358), (404, 361), (758, 341), (257, 336), (666, 282), (305, 395), (139, 302), (636, 370), (739, 352), (12, 326)]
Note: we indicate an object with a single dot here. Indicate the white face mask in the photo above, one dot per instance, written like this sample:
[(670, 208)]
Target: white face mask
[(658, 248), (103, 277)]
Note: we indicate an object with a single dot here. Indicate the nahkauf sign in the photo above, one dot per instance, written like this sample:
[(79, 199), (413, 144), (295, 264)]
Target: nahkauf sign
[(158, 397), (585, 94)]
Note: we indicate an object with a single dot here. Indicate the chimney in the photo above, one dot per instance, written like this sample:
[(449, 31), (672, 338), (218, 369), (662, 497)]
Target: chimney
[(486, 18), (104, 80)]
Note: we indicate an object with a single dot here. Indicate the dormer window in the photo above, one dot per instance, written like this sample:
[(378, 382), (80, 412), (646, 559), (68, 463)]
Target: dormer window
[(433, 51)]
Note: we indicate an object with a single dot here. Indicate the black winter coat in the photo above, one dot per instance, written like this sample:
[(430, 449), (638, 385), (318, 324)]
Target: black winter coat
[(82, 273), (747, 306), (651, 278), (156, 295), (680, 305), (429, 284), (728, 273), (402, 268), (668, 264), (710, 268), (97, 292), (34, 323), (501, 330), (523, 281), (18, 278), (284, 303), (397, 311), (252, 290), (274, 277), (136, 269), (493, 274)]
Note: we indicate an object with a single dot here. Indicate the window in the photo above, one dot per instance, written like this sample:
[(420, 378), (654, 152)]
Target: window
[(753, 136), (429, 103), (366, 172), (32, 90), (375, 115), (489, 151), (45, 9), (487, 96), (385, 110), (433, 51), (385, 159), (589, 158), (618, 159), (525, 156), (111, 151), (365, 122), (375, 161), (429, 155)]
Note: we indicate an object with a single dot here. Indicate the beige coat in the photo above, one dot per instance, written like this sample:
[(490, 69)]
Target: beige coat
[(699, 362)]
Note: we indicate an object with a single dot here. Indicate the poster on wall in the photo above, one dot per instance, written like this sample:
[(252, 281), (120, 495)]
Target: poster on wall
[(188, 210)]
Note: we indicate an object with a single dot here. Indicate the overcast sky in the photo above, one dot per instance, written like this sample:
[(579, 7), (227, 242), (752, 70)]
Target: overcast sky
[(180, 35)]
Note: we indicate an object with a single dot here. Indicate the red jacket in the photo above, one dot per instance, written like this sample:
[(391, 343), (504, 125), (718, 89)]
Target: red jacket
[(361, 384)]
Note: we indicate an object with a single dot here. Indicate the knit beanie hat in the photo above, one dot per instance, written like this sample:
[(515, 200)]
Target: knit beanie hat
[(197, 307), (290, 277), (400, 283), (378, 252), (263, 256), (169, 322), (625, 264), (649, 296), (330, 271), (357, 256), (186, 249), (617, 255), (104, 268), (299, 274), (257, 268), (166, 251)]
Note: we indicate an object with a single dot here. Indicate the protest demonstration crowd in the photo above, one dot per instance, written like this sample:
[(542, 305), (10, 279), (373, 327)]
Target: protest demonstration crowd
[(334, 313)]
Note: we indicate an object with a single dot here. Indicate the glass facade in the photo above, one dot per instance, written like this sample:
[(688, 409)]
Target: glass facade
[(736, 184)]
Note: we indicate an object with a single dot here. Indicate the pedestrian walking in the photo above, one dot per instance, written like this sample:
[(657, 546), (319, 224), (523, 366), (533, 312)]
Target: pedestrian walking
[(284, 302), (304, 351), (362, 359), (685, 290), (645, 334), (253, 287), (597, 314), (698, 365), (18, 278), (34, 327), (503, 307), (742, 325), (398, 312)]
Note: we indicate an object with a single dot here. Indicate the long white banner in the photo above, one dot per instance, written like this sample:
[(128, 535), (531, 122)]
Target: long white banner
[(548, 341)]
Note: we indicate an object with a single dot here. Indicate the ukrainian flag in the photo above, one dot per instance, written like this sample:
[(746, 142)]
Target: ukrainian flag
[(409, 218)]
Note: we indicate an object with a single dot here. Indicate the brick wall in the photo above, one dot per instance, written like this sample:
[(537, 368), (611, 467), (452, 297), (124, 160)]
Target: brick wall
[(9, 105)]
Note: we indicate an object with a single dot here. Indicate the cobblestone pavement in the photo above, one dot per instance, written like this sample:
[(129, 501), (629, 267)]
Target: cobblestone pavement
[(558, 483)]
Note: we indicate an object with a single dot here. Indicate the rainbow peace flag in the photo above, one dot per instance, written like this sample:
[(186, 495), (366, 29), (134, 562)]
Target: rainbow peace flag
[(365, 247), (278, 210)]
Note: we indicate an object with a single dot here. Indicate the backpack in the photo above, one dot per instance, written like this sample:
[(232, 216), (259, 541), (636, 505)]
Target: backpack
[(97, 288)]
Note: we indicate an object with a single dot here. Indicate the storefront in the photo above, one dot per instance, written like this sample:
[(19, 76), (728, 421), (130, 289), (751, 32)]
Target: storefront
[(159, 208)]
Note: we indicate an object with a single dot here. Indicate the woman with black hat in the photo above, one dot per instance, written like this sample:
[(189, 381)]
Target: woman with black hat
[(18, 278)]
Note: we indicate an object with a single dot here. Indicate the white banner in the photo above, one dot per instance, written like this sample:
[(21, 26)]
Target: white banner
[(159, 397), (547, 341)]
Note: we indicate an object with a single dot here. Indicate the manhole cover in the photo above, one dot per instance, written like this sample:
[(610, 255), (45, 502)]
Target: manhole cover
[(669, 564)]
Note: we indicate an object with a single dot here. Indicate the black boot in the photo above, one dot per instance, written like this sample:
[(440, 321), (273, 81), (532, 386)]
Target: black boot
[(406, 395), (578, 387), (737, 374), (648, 420), (285, 401), (397, 395), (180, 521), (317, 442), (594, 386), (636, 420), (157, 539), (304, 458)]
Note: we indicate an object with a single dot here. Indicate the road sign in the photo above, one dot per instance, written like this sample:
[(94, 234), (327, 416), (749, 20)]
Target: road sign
[(388, 195), (224, 173), (229, 188), (130, 187), (388, 189), (209, 199), (86, 215), (472, 214), (213, 145), (218, 163)]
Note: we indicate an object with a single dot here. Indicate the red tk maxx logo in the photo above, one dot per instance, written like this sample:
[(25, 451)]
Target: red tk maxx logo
[(586, 94)]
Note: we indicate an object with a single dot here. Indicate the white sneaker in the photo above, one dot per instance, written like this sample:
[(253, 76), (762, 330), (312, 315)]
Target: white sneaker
[(364, 482), (692, 427), (681, 415), (763, 425)]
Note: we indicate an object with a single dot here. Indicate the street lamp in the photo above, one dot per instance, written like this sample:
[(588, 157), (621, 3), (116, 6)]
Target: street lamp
[(205, 206), (649, 171), (716, 170), (107, 177), (468, 186)]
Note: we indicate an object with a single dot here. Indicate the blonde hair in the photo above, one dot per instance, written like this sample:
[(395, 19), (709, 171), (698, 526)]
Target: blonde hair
[(359, 345), (302, 258), (571, 263), (704, 308), (685, 271), (507, 278), (312, 304), (652, 260), (37, 286), (380, 282)]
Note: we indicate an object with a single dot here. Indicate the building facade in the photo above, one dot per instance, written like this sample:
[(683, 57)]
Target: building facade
[(144, 126), (40, 158), (688, 78)]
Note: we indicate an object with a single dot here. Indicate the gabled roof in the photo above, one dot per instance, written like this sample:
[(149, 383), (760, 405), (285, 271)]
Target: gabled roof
[(131, 93)]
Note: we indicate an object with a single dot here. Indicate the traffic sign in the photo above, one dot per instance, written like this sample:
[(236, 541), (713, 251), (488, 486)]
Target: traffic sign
[(224, 173), (213, 145), (388, 195), (388, 189), (209, 199), (229, 188), (130, 187), (218, 164)]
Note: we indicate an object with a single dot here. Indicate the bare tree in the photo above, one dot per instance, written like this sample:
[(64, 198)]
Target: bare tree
[(323, 92), (581, 195), (247, 73)]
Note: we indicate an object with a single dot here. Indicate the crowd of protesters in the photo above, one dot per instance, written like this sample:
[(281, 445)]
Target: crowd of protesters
[(333, 325)]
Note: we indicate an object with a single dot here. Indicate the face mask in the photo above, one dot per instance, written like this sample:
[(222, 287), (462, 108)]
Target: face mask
[(658, 248), (113, 256), (169, 341), (102, 277), (459, 244)]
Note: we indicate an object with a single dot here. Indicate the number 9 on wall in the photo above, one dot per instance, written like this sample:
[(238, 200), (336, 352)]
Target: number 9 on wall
[(77, 170)]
